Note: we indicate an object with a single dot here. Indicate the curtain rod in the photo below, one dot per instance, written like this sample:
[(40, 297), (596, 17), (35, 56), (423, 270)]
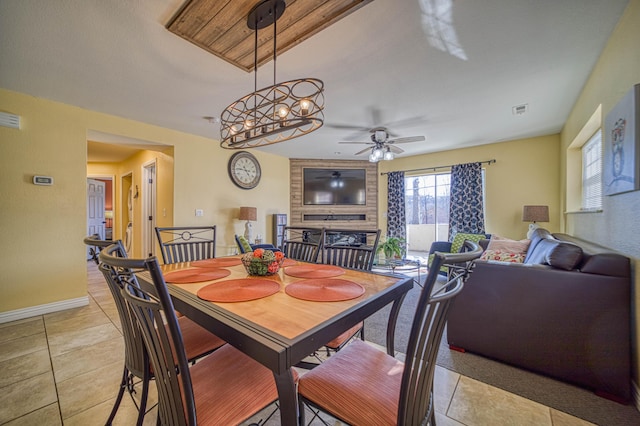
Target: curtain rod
[(433, 169)]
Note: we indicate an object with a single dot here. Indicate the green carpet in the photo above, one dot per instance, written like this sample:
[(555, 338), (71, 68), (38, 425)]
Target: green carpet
[(552, 393)]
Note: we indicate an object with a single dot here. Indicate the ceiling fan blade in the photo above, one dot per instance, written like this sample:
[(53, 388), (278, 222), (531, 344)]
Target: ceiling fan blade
[(396, 149), (356, 142), (376, 115), (363, 151), (407, 139), (408, 122), (348, 127)]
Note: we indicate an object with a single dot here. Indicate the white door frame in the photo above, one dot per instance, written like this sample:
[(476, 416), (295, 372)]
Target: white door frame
[(149, 193)]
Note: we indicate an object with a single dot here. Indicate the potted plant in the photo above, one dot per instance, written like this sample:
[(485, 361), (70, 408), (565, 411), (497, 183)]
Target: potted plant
[(393, 247)]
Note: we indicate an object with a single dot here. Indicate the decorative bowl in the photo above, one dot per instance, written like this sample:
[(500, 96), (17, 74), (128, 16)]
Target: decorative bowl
[(262, 262)]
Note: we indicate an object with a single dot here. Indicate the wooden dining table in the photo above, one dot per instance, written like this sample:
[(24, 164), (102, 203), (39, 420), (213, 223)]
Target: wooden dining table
[(280, 330)]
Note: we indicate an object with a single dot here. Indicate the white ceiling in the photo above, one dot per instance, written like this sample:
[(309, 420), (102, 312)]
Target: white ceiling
[(378, 66)]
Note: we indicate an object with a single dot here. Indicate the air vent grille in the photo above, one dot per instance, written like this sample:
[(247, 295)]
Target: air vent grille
[(9, 120)]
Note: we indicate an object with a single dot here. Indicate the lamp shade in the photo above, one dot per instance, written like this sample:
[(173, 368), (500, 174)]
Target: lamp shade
[(248, 213), (535, 214)]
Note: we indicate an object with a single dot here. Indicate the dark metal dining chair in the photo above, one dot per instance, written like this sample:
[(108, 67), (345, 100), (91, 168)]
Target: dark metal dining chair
[(302, 243), (224, 388), (361, 385), (198, 341), (96, 245), (187, 243), (353, 249)]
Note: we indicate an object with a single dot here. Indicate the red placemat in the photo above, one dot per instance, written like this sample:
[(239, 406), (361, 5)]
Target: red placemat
[(218, 262), (238, 290), (325, 290), (198, 275), (314, 271), (289, 262)]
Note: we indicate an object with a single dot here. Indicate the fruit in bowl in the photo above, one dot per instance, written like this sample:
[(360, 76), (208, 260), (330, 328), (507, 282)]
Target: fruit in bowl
[(262, 262)]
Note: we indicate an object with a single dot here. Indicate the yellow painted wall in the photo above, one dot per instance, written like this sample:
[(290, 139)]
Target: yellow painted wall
[(526, 172), (44, 258), (618, 225)]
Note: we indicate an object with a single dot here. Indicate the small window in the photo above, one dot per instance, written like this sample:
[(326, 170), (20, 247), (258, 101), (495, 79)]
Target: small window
[(592, 173)]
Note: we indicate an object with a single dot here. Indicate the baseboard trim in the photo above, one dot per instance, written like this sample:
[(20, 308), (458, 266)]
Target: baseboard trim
[(47, 308), (635, 389)]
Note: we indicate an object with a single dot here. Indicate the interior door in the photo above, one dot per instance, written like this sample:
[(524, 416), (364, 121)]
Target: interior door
[(95, 209), (148, 208)]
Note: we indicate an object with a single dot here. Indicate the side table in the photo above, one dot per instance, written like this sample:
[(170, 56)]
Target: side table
[(400, 266)]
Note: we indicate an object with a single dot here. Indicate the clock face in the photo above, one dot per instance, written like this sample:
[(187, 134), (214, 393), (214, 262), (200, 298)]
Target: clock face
[(244, 170)]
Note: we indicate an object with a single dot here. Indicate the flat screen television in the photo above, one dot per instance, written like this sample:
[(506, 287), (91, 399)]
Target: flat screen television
[(334, 187)]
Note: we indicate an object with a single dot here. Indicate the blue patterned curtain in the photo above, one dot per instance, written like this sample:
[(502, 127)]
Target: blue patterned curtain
[(396, 219), (466, 213)]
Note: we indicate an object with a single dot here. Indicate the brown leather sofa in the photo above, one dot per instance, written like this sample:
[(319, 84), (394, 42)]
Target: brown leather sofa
[(564, 313)]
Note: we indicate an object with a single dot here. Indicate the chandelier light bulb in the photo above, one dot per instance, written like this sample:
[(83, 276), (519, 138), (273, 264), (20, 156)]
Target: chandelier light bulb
[(304, 106), (283, 112)]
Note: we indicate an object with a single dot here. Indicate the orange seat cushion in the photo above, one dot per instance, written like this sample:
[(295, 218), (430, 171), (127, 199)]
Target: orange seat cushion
[(230, 387), (336, 343), (359, 385)]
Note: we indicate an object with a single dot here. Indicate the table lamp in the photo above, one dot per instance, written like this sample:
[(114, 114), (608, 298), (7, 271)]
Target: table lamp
[(248, 214), (534, 214)]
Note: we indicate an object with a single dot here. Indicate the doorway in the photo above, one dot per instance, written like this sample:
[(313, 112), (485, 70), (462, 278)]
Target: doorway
[(148, 207), (95, 209)]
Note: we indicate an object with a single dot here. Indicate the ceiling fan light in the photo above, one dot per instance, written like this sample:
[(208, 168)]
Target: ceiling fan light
[(378, 153), (373, 158), (388, 155)]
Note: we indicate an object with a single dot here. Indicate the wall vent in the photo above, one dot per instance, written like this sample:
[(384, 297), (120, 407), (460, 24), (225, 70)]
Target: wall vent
[(9, 120), (520, 109)]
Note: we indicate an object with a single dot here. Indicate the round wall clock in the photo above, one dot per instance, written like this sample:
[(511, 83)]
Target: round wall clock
[(244, 170)]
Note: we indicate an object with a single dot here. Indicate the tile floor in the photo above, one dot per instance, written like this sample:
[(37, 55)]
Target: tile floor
[(65, 368)]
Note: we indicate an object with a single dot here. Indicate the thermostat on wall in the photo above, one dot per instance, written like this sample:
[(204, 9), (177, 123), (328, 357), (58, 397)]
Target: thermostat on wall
[(43, 180)]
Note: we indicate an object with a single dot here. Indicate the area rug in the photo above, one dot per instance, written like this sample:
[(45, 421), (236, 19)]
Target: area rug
[(552, 393)]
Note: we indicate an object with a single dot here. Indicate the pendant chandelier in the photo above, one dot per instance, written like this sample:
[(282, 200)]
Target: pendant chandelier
[(275, 113)]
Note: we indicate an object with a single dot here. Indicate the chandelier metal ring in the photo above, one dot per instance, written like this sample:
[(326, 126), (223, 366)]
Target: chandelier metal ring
[(275, 113)]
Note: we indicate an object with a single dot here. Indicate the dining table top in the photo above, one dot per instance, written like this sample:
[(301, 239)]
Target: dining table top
[(280, 330)]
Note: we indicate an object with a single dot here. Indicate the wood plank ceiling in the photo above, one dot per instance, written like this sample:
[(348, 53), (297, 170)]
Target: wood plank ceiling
[(220, 26)]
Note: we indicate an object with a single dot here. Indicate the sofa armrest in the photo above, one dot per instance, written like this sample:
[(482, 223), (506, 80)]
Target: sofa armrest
[(265, 247), (441, 246)]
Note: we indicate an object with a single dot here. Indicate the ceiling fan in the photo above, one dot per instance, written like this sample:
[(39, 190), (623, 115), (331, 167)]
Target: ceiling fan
[(382, 146)]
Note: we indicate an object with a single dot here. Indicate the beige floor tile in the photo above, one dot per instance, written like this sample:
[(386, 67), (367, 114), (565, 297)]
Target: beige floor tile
[(21, 328), (97, 415), (22, 346), (444, 385), (476, 403), (559, 418), (88, 358), (84, 391), (76, 339), (76, 323), (24, 367), (443, 420), (102, 297), (49, 416), (92, 307), (26, 396)]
